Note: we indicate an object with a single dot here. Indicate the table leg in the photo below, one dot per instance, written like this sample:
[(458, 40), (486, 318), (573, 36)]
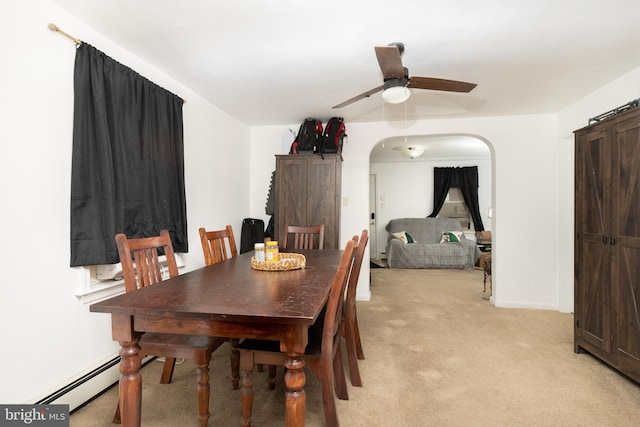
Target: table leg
[(295, 399), (130, 385)]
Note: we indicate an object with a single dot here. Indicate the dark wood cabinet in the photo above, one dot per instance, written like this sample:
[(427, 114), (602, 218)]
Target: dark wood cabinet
[(607, 241), (308, 192)]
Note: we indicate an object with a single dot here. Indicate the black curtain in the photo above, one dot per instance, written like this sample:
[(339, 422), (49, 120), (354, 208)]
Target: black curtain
[(128, 159), (465, 178)]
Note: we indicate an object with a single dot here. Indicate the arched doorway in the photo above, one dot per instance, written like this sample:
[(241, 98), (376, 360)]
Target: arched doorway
[(401, 178)]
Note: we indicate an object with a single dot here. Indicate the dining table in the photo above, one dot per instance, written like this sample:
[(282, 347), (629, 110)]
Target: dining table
[(228, 299)]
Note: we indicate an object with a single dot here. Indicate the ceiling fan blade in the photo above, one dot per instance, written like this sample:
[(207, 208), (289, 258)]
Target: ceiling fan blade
[(440, 84), (359, 97), (390, 62)]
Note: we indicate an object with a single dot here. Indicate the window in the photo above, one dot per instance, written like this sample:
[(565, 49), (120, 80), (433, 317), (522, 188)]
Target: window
[(454, 207)]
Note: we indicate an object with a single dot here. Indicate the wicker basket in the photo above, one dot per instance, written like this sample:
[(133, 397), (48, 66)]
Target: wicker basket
[(288, 261)]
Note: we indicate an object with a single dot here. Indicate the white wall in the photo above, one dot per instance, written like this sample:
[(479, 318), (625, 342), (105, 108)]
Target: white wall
[(407, 190), (48, 335)]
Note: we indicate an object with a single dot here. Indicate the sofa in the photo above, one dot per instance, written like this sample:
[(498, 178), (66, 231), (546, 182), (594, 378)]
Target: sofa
[(429, 243)]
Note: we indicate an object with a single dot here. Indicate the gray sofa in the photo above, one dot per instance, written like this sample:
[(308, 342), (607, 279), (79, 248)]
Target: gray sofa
[(427, 251)]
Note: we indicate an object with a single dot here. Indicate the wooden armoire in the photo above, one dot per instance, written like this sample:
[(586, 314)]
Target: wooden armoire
[(308, 192), (607, 241)]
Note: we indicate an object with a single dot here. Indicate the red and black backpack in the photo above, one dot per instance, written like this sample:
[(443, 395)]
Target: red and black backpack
[(308, 138), (333, 137)]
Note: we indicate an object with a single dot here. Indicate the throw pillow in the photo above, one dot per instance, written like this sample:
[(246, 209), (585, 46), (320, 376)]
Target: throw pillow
[(451, 237), (410, 238), (401, 235)]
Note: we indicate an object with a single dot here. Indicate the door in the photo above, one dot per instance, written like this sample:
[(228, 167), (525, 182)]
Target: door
[(291, 188), (592, 284), (323, 197), (626, 247)]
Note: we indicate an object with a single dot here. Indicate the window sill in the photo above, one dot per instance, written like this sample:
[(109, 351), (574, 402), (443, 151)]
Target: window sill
[(99, 291)]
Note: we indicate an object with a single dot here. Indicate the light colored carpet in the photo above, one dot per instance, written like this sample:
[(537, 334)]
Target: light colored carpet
[(437, 354)]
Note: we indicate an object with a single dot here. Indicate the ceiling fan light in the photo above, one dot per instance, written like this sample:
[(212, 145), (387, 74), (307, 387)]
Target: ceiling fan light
[(396, 94)]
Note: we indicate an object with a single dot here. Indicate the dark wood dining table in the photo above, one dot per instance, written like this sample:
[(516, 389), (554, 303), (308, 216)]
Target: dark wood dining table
[(228, 299)]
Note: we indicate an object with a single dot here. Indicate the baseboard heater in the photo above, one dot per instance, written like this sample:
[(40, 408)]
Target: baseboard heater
[(89, 386)]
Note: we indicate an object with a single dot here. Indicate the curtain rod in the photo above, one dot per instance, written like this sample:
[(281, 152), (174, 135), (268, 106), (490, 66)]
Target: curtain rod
[(54, 27)]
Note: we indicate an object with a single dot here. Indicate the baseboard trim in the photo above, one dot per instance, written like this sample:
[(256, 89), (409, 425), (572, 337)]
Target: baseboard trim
[(87, 387)]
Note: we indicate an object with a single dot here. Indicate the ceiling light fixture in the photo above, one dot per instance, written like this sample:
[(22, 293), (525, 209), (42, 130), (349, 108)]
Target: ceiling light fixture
[(411, 151), (396, 91)]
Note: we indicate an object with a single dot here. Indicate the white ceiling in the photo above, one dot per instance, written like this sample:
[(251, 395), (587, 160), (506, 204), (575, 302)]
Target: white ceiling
[(279, 61)]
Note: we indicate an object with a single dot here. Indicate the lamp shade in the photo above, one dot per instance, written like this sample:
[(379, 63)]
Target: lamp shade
[(396, 94)]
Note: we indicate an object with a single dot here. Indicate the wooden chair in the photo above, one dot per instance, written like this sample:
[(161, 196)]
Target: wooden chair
[(350, 330), (216, 243), (323, 354), (147, 272), (217, 246), (304, 236)]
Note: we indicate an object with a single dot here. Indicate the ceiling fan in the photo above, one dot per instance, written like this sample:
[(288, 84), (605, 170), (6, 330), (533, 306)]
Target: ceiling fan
[(397, 81)]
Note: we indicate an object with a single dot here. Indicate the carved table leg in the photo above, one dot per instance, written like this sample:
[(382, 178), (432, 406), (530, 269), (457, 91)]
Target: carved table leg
[(130, 386), (247, 396), (203, 389), (295, 399)]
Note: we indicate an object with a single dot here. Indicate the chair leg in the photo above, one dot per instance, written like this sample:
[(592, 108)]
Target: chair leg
[(116, 416), (203, 390), (272, 377), (352, 358), (328, 398), (247, 396), (167, 371), (338, 378), (356, 335), (235, 363)]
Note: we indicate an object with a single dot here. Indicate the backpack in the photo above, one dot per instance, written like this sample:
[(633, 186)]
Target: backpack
[(308, 137), (333, 137)]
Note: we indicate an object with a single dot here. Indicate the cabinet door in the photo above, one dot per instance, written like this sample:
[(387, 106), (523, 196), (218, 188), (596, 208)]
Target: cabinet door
[(291, 187), (626, 249), (592, 222), (323, 197)]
